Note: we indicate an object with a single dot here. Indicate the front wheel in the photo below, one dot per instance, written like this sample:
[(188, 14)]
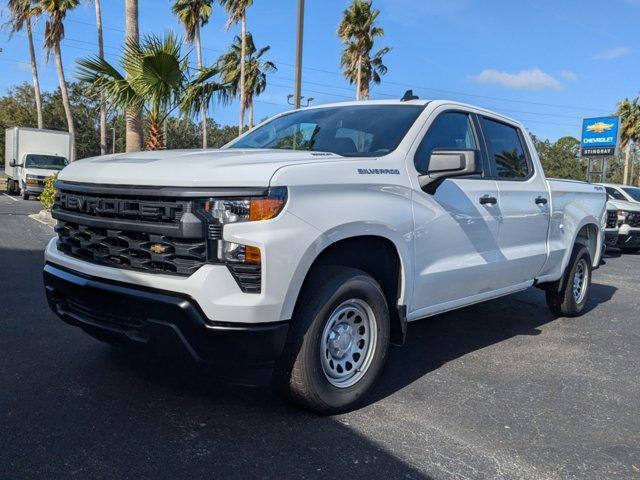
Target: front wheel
[(571, 300), (338, 341)]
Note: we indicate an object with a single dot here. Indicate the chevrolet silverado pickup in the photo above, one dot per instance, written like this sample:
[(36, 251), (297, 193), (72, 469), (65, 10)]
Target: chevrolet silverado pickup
[(305, 246), (628, 215)]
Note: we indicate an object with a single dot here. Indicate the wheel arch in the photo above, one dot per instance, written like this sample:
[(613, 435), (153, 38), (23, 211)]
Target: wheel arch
[(376, 253)]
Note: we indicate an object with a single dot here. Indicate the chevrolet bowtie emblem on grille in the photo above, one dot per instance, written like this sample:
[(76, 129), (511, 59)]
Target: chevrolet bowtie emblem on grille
[(158, 248)]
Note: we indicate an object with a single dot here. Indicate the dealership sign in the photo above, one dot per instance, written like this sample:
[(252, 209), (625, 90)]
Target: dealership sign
[(600, 136)]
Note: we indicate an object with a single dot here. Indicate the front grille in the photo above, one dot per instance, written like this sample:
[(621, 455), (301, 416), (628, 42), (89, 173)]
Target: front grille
[(150, 230), (612, 218), (132, 231), (633, 219), (133, 250)]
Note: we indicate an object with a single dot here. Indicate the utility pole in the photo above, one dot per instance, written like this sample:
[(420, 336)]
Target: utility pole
[(299, 41)]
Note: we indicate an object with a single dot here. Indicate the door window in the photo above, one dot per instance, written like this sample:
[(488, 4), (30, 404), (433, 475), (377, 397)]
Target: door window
[(449, 131), (505, 150)]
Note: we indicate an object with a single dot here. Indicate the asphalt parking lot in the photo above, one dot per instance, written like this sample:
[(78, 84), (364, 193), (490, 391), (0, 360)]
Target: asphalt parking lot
[(498, 390)]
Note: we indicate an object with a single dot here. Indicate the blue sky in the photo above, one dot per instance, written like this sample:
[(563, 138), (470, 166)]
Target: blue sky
[(545, 62)]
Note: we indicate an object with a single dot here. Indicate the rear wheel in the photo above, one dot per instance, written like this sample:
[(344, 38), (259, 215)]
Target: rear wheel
[(338, 341), (572, 298)]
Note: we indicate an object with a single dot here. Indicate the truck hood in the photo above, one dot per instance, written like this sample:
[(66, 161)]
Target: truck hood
[(613, 204), (190, 168), (40, 172)]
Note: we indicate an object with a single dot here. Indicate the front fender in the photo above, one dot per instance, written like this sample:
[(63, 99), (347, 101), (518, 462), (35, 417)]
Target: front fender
[(402, 243)]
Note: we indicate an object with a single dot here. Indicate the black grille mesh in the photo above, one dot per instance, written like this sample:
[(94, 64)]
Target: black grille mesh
[(139, 251), (633, 220), (612, 219)]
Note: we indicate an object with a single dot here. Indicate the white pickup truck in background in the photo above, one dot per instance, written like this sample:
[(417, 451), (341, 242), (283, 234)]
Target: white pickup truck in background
[(306, 245)]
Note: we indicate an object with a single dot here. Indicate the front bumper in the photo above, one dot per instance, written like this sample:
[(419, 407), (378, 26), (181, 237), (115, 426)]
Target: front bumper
[(628, 237), (162, 321), (34, 189)]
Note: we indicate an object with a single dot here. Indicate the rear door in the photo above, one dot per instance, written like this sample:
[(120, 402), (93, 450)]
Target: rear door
[(523, 200)]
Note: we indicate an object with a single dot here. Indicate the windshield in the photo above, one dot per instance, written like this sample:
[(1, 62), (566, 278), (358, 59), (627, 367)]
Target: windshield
[(633, 192), (48, 162), (351, 131)]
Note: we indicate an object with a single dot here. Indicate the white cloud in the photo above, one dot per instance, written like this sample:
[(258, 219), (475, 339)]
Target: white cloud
[(534, 79), (568, 75), (612, 53)]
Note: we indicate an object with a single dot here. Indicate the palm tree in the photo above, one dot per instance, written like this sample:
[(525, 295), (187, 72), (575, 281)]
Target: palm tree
[(358, 31), (56, 11), (629, 113), (103, 106), (237, 10), (228, 65), (193, 15), (155, 81), (134, 135), (22, 13)]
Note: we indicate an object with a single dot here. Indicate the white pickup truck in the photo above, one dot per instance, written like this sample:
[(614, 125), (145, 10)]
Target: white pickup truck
[(307, 244)]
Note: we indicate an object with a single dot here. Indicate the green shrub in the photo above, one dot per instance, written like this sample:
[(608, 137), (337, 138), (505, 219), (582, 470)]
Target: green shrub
[(48, 196)]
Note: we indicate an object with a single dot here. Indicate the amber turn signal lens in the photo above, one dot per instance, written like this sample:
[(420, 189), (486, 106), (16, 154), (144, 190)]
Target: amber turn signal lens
[(252, 255), (265, 208), (32, 181)]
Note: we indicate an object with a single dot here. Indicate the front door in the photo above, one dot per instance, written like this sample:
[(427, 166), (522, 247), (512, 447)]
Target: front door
[(457, 227)]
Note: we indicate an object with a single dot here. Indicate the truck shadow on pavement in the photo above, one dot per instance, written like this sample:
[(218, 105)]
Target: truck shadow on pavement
[(76, 405), (434, 341)]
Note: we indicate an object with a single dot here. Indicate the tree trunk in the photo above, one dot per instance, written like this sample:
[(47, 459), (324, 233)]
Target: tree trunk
[(134, 134), (243, 54), (65, 100), (36, 78), (251, 114), (359, 78), (103, 106), (627, 164), (203, 104), (156, 138)]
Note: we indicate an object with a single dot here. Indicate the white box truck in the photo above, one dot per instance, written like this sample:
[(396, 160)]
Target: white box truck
[(32, 155)]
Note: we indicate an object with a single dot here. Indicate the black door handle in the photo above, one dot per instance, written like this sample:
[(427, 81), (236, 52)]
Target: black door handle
[(541, 201), (488, 200)]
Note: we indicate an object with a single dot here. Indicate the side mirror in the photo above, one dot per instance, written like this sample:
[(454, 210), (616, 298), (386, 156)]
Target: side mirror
[(448, 164), (12, 163)]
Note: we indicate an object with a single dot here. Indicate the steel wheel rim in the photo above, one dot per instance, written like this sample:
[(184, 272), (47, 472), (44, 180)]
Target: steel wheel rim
[(348, 343), (580, 281)]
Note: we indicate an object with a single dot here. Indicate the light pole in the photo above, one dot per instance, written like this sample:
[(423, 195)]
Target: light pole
[(309, 100), (299, 41)]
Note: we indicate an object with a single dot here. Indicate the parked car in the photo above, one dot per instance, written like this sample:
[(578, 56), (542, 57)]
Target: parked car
[(306, 245), (625, 193), (628, 214), (32, 155)]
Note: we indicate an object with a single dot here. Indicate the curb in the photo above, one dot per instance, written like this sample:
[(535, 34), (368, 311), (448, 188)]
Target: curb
[(44, 217)]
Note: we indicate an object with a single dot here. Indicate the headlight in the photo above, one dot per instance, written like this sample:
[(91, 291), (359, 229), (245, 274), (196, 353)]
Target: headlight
[(221, 211), (31, 180)]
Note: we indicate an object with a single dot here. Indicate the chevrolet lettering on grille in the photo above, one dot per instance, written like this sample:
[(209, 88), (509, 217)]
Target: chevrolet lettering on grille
[(119, 207)]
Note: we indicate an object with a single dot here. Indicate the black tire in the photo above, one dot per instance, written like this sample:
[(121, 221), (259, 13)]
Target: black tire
[(564, 303), (300, 374), (25, 194), (630, 249)]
